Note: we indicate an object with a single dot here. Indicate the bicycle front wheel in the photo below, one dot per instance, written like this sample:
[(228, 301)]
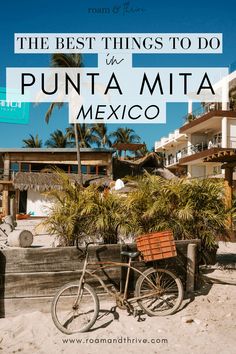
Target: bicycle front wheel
[(160, 292), (72, 316)]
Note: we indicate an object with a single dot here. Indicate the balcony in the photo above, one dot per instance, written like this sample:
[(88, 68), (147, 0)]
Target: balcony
[(202, 146), (203, 152), (206, 117), (202, 110), (194, 150), (173, 139), (172, 160)]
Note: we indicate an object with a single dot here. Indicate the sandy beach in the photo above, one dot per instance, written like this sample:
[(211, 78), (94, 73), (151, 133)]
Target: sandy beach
[(205, 324)]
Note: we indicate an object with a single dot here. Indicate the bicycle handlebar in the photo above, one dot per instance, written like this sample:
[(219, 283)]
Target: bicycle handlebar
[(87, 244)]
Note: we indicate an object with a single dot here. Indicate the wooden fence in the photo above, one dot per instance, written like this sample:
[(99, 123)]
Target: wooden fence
[(30, 277)]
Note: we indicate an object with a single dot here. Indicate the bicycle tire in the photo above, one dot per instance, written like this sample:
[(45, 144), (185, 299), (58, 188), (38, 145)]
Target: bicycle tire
[(165, 283), (65, 298)]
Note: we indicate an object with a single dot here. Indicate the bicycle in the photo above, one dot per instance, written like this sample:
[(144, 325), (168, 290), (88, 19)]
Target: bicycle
[(75, 306)]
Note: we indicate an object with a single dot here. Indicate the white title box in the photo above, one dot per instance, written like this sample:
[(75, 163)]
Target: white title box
[(175, 43), (97, 91)]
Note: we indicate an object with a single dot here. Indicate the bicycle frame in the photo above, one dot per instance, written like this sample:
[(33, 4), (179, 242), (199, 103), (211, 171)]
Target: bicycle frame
[(108, 264)]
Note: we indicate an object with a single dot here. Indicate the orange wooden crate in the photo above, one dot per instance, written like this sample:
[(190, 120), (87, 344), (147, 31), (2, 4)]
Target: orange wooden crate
[(156, 245)]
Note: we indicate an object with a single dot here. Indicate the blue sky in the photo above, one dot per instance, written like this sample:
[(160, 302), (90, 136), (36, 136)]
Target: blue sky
[(74, 17)]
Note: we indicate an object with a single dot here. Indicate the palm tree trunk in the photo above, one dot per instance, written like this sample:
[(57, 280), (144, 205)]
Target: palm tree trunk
[(78, 154)]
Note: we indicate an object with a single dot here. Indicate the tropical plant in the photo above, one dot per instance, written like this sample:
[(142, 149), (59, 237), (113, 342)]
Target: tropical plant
[(66, 219), (105, 211), (191, 208), (58, 140), (191, 117), (126, 136), (102, 137), (79, 212), (63, 60), (85, 134), (143, 151), (32, 142)]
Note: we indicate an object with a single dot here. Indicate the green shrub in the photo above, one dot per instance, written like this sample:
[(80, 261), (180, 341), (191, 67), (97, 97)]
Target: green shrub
[(191, 208), (66, 219), (79, 213)]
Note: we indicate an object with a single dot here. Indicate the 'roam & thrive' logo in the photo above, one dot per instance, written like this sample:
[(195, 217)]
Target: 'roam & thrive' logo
[(119, 9)]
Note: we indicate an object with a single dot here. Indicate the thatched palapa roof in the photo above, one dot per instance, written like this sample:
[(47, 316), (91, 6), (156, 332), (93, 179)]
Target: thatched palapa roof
[(128, 147), (41, 182), (151, 163)]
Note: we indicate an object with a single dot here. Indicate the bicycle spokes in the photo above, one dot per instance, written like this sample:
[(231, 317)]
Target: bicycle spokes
[(75, 311), (159, 292)]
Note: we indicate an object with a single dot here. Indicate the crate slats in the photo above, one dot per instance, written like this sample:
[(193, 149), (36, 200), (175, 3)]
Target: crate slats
[(156, 245)]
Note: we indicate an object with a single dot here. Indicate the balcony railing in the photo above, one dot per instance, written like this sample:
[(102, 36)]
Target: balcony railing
[(191, 150), (204, 109), (171, 160), (202, 146)]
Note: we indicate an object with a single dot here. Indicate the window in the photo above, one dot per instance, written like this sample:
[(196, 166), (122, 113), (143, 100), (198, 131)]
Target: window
[(14, 167), (84, 169), (25, 167), (92, 170), (74, 169)]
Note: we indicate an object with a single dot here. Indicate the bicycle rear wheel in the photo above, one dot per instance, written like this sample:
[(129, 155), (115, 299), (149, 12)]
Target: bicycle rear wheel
[(162, 292), (69, 317)]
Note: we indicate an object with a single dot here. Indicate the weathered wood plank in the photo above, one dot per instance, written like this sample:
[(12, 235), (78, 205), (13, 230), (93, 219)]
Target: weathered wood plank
[(63, 258), (18, 285), (50, 268), (32, 276), (19, 260)]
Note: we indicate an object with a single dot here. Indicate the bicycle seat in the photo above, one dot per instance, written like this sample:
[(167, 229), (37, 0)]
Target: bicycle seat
[(130, 254)]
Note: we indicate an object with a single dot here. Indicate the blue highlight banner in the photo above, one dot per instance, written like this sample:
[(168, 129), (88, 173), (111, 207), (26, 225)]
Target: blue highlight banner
[(13, 111)]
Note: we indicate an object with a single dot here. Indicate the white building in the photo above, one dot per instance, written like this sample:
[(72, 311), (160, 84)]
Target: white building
[(173, 148), (210, 131)]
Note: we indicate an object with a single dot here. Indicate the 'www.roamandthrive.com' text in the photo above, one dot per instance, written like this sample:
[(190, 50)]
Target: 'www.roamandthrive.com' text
[(117, 340)]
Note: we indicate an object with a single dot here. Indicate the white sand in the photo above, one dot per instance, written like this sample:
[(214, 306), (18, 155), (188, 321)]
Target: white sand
[(207, 325), (212, 331)]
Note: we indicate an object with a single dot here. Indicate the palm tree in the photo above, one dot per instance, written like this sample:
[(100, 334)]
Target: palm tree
[(103, 138), (126, 136), (62, 60), (85, 134), (58, 140), (32, 142), (143, 151)]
